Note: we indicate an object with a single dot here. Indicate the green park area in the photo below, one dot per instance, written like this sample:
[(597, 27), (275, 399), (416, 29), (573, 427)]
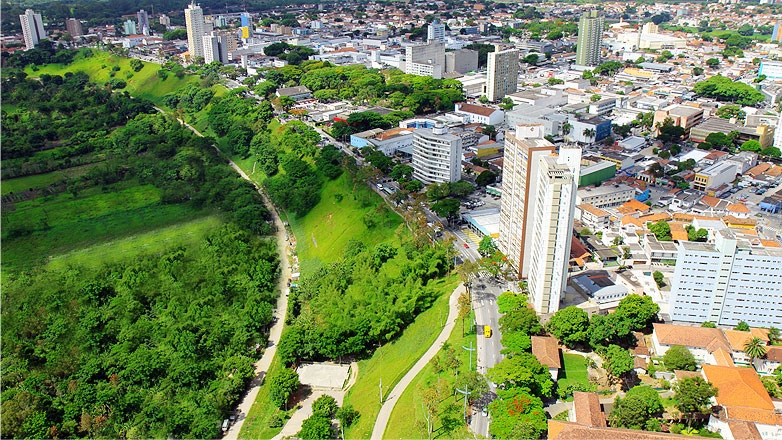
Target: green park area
[(574, 371)]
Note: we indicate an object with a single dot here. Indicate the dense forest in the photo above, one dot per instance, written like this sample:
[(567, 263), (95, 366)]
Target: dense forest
[(157, 345)]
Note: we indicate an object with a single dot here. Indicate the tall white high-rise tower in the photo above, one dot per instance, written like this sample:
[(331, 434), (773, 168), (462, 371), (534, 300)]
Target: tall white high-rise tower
[(194, 21)]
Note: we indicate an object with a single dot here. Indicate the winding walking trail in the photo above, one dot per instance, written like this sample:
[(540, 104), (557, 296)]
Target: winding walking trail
[(388, 405), (262, 365)]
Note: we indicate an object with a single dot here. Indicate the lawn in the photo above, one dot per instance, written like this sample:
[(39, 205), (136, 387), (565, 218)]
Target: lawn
[(574, 371), (256, 425), (407, 420), (60, 223), (183, 234), (42, 180), (143, 84), (390, 362), (323, 233)]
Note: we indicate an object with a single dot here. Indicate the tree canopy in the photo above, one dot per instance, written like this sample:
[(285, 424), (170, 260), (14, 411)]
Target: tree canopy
[(725, 89)]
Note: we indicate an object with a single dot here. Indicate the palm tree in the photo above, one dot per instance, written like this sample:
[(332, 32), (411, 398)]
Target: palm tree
[(566, 128), (754, 348), (773, 335), (589, 133)]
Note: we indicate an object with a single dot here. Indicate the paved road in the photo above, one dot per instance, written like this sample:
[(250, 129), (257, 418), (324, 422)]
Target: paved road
[(262, 365), (484, 301), (388, 405)]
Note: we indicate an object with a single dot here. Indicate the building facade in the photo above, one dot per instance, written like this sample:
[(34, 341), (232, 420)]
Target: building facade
[(590, 39), (437, 155), (142, 18), (552, 228), (32, 28), (194, 22), (523, 151), (425, 59), (129, 27), (73, 26), (461, 61), (727, 282), (215, 48), (502, 73), (435, 31)]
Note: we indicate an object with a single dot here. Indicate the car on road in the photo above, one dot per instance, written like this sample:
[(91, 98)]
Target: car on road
[(467, 246)]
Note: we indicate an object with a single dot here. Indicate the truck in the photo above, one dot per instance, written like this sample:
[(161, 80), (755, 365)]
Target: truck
[(487, 331)]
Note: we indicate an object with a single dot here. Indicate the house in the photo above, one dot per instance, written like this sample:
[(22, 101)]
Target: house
[(546, 349), (480, 114), (586, 421), (702, 342), (297, 93), (592, 217), (599, 286), (741, 398), (770, 362), (737, 339)]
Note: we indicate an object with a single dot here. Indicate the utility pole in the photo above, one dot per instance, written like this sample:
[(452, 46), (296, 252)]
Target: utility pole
[(465, 393), (470, 350), (381, 390)]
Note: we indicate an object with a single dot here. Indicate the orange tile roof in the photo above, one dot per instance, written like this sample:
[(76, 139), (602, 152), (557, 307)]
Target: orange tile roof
[(758, 169), (597, 212), (739, 387), (761, 333), (774, 353), (545, 348), (762, 416), (699, 337), (678, 232), (558, 430), (738, 207), (731, 220), (744, 430), (737, 339), (722, 357), (681, 374), (628, 219), (710, 201), (476, 109), (770, 243), (774, 171), (587, 409), (655, 217), (633, 205)]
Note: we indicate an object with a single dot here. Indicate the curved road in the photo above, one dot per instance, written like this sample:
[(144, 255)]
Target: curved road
[(279, 312), (388, 405)]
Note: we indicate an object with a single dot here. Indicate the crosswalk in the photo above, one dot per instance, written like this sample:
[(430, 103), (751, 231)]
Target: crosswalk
[(472, 236)]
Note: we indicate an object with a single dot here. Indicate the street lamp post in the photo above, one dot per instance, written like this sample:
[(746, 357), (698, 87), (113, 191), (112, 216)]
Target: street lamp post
[(470, 350), (466, 393)]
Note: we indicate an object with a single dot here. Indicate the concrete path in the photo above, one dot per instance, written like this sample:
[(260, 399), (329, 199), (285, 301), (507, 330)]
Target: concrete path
[(262, 365), (388, 405)]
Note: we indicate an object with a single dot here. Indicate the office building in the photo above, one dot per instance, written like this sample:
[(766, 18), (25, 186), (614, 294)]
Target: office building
[(194, 21), (606, 196), (729, 281), (552, 227), (523, 150), (502, 72), (165, 21), (435, 32), (461, 61), (437, 155), (245, 19), (129, 27), (32, 28), (215, 48), (426, 59), (715, 176), (73, 26), (590, 38), (142, 18)]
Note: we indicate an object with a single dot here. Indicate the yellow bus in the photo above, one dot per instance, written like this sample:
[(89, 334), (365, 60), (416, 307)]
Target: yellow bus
[(487, 331)]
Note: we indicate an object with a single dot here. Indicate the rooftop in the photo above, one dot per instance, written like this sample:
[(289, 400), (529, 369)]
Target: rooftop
[(698, 337), (475, 109), (587, 409), (739, 387), (545, 348)]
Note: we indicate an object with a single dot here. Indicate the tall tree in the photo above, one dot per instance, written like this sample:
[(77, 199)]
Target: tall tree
[(693, 395), (679, 358), (755, 348), (570, 325), (639, 405)]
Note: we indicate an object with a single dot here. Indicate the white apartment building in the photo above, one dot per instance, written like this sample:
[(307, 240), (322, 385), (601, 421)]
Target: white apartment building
[(32, 28), (552, 227), (523, 150), (503, 73), (727, 282), (437, 155), (435, 31), (215, 48), (606, 196), (425, 59), (194, 22)]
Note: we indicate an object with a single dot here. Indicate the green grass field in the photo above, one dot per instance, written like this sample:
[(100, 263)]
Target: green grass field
[(256, 425), (89, 220), (323, 233), (407, 420), (41, 180), (186, 233), (574, 371), (390, 362), (144, 83)]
